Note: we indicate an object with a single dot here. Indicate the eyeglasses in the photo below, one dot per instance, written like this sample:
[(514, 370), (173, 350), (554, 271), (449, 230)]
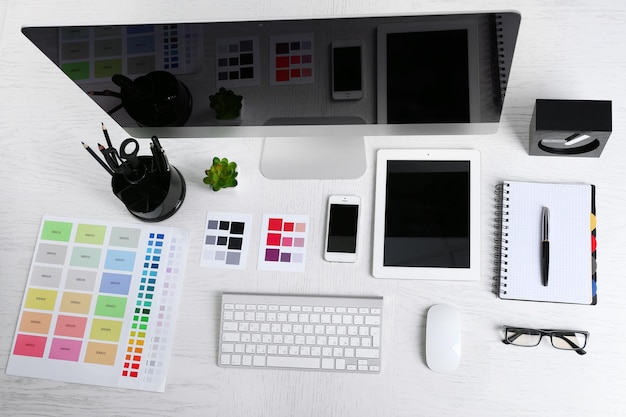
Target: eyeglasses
[(574, 340)]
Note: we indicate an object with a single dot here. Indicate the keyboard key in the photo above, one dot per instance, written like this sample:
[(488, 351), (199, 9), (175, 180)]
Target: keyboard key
[(293, 362), (229, 326), (367, 353), (230, 337)]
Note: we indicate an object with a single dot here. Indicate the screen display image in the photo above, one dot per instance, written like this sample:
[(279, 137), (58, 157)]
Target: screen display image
[(427, 214), (347, 68), (427, 79), (342, 228)]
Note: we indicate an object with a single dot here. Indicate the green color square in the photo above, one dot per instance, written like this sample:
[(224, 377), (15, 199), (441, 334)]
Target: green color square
[(107, 68), (111, 306), (76, 70), (143, 326), (86, 257), (90, 234), (57, 231)]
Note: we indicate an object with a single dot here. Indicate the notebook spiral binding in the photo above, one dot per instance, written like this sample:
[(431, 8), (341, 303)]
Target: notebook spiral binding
[(501, 238)]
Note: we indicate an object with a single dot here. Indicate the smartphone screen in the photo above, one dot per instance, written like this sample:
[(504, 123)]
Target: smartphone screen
[(342, 228), (347, 68)]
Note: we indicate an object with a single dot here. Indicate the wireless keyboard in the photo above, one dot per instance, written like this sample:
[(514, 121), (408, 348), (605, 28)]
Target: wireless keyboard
[(340, 334)]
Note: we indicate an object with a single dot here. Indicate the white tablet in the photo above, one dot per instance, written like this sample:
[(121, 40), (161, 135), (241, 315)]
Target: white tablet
[(427, 214)]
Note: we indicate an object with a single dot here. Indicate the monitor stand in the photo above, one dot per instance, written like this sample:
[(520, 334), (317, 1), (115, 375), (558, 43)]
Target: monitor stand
[(313, 157)]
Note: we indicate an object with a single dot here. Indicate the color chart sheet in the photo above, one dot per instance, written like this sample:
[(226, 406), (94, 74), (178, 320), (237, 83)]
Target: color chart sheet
[(100, 304), (96, 54)]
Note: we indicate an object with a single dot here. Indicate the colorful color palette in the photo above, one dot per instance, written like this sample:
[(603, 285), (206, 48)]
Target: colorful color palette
[(237, 62), (283, 242), (96, 54), (291, 59), (226, 240), (100, 303)]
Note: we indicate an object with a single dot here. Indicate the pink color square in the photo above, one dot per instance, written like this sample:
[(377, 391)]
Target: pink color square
[(300, 227), (288, 226), (65, 349), (275, 224), (282, 75), (273, 239), (71, 326), (306, 59), (26, 345), (287, 241), (282, 62), (295, 73), (307, 72), (298, 242), (295, 59)]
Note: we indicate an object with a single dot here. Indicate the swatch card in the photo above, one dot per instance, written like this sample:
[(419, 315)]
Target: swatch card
[(226, 240), (237, 62), (284, 239), (291, 59), (100, 304)]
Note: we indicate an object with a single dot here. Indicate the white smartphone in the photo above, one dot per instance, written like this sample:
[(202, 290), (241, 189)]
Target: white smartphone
[(347, 70), (342, 230)]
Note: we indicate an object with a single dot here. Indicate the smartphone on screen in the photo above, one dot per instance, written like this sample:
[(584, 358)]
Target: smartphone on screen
[(342, 228), (347, 70)]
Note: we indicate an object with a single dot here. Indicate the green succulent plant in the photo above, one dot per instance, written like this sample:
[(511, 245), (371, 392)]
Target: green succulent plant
[(222, 174), (226, 103)]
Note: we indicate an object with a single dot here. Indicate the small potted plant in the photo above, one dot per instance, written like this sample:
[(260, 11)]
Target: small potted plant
[(227, 104), (222, 174)]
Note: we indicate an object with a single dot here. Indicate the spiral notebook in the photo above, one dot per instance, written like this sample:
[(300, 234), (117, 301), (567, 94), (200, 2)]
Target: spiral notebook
[(572, 275)]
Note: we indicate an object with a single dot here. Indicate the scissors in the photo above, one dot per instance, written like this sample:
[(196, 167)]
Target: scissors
[(130, 156)]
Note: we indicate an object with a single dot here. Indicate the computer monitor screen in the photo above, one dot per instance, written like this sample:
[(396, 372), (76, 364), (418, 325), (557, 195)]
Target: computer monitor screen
[(293, 82)]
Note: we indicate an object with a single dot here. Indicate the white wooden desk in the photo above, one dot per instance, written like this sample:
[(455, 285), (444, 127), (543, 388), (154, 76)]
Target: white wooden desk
[(565, 50)]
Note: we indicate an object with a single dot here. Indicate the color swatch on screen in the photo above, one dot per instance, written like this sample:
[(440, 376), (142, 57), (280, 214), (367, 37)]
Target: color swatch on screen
[(99, 305), (291, 59), (237, 62), (226, 240), (96, 54), (283, 242)]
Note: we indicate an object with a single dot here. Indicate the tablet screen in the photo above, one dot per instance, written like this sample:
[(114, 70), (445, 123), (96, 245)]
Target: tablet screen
[(427, 77), (427, 214)]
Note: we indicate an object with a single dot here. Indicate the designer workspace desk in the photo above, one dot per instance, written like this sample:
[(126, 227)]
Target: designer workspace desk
[(563, 51)]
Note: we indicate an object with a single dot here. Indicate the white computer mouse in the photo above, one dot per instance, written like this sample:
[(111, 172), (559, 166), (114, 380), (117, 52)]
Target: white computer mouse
[(443, 338)]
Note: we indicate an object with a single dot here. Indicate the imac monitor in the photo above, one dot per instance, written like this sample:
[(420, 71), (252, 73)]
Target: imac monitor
[(420, 75)]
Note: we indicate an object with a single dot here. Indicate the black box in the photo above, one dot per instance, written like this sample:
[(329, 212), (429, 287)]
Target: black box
[(570, 127)]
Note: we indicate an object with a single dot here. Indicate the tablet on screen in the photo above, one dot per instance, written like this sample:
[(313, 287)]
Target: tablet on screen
[(427, 214)]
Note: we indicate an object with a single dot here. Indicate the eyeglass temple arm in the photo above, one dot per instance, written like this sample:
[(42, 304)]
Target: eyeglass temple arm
[(506, 340)]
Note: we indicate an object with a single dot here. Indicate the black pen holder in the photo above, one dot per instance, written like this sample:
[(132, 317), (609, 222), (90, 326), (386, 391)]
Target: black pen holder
[(153, 195)]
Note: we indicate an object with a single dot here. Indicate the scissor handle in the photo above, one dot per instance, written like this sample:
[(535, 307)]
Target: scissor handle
[(124, 154)]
